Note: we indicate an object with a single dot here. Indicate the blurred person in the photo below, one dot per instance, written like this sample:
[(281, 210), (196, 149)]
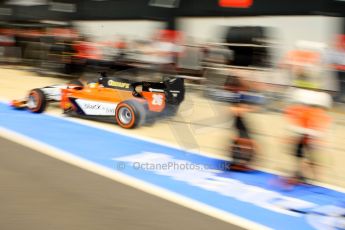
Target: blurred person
[(336, 59), (305, 64), (308, 121), (88, 55), (59, 54), (87, 50), (7, 40), (7, 37), (121, 45), (243, 147), (164, 50), (114, 50)]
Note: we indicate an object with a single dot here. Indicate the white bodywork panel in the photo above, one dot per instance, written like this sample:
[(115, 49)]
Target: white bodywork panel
[(53, 92), (96, 108)]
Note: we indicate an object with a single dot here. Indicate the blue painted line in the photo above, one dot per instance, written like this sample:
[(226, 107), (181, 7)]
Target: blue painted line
[(108, 149)]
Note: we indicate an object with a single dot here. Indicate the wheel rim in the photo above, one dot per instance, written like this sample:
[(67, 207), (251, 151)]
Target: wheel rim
[(125, 115), (32, 102)]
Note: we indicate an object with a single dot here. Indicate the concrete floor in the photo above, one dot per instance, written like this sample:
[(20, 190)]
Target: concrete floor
[(39, 192)]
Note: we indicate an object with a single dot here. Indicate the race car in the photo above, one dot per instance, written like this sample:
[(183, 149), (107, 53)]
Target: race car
[(130, 103)]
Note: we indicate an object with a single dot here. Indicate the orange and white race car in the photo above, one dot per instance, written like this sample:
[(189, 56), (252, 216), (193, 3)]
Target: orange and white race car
[(129, 103)]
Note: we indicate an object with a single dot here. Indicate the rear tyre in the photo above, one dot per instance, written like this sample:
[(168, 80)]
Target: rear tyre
[(37, 101), (130, 114)]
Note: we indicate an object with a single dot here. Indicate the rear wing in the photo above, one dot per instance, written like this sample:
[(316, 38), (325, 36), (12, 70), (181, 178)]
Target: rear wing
[(173, 88)]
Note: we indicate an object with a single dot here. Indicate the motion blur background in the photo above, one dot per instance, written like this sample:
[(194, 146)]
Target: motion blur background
[(67, 37), (265, 50)]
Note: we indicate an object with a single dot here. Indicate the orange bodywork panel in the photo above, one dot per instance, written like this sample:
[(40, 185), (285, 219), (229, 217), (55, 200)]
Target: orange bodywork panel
[(95, 93), (156, 101)]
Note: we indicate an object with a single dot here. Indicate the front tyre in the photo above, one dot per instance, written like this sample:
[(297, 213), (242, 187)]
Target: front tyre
[(37, 101), (130, 114)]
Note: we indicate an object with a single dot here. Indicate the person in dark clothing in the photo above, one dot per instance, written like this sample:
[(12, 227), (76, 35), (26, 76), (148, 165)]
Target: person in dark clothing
[(241, 127), (303, 150), (242, 150), (340, 97)]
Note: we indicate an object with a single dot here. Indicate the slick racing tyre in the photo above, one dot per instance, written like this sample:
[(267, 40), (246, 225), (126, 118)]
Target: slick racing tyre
[(130, 114), (37, 101)]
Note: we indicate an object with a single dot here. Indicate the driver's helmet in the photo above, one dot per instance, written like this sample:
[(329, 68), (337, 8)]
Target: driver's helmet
[(93, 84)]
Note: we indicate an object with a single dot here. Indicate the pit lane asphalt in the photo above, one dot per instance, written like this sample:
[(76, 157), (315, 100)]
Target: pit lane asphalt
[(40, 192)]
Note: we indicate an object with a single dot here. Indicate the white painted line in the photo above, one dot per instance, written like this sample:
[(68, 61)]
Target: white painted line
[(129, 180)]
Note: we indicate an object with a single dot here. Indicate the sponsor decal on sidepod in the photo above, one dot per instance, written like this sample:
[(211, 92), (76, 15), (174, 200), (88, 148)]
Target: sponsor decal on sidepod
[(96, 108)]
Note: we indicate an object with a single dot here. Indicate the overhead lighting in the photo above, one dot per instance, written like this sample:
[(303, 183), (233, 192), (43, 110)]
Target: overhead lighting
[(165, 3), (54, 22), (27, 2), (63, 7), (236, 3)]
